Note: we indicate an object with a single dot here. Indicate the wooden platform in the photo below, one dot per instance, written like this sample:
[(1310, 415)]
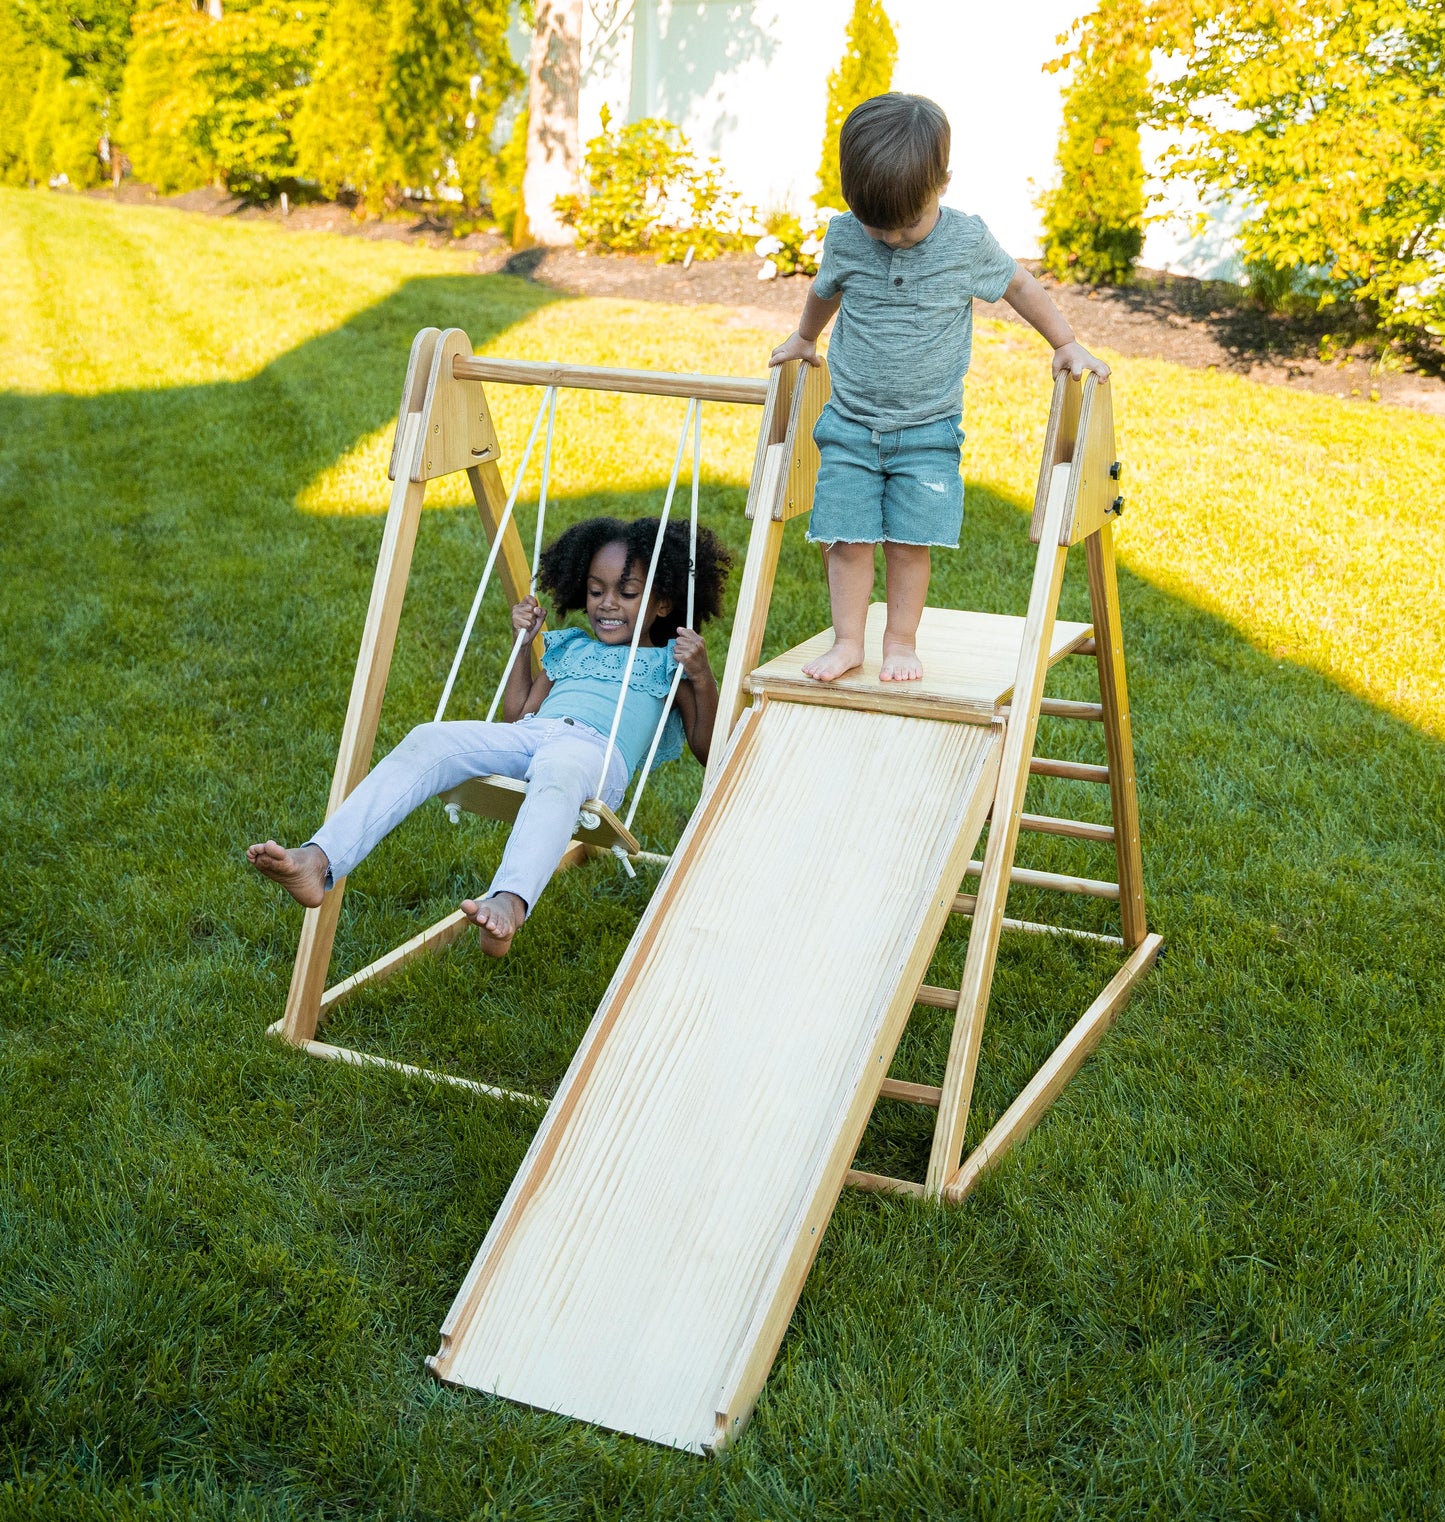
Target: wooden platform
[(643, 1267), (969, 663)]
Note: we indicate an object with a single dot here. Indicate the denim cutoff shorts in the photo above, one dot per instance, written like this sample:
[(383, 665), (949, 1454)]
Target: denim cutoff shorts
[(903, 487)]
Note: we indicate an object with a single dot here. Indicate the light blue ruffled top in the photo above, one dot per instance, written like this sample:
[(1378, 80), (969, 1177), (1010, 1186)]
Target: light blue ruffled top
[(586, 679)]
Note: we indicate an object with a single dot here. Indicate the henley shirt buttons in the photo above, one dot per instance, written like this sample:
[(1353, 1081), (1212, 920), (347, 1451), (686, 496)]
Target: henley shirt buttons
[(898, 280)]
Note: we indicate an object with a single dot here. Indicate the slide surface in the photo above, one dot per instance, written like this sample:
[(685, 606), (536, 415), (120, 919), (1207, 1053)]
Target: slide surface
[(645, 1262)]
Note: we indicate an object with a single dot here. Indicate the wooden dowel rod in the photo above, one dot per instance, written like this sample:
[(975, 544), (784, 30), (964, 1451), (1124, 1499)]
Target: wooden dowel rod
[(964, 904), (1074, 829), (1067, 708), (1032, 927), (346, 1055), (1027, 877), (936, 998), (434, 938), (879, 1183), (526, 372), (911, 1093), (1088, 647), (1079, 771)]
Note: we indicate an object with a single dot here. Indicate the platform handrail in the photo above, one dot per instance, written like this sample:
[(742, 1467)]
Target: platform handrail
[(745, 389)]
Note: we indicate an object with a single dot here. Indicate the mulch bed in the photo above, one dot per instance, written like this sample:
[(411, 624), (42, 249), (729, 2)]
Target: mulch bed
[(1201, 323)]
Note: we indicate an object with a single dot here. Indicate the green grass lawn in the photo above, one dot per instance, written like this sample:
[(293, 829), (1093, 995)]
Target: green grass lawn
[(1209, 1285)]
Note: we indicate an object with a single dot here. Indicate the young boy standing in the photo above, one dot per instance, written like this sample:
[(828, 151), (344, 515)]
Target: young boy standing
[(904, 271)]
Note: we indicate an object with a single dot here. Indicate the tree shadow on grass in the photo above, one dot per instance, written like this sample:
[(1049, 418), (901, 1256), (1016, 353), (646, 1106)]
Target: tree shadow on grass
[(1230, 1222)]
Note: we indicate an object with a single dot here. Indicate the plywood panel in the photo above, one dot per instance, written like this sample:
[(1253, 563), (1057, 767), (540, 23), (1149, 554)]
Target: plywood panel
[(643, 1267), (969, 664)]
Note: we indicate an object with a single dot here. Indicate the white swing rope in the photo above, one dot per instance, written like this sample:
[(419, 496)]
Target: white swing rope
[(521, 638), (589, 819), (547, 405), (691, 606)]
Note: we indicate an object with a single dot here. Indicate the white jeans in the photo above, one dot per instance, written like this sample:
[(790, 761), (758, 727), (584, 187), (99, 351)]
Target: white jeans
[(559, 759)]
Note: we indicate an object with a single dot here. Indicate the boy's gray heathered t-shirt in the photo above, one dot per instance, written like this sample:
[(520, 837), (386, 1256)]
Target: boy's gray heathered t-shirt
[(904, 334)]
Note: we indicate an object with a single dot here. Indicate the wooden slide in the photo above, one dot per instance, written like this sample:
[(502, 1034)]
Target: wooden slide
[(643, 1267)]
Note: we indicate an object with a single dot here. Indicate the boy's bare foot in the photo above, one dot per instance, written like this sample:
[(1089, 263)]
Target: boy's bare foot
[(302, 872), (845, 656), (900, 664), (497, 919)]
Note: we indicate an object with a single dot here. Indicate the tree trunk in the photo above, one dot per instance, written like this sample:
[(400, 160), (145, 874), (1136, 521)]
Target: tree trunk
[(552, 139)]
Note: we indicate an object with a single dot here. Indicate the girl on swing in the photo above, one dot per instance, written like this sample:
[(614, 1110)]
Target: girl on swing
[(556, 729)]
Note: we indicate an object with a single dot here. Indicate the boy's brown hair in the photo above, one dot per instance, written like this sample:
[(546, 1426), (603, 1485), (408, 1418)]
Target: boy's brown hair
[(892, 155)]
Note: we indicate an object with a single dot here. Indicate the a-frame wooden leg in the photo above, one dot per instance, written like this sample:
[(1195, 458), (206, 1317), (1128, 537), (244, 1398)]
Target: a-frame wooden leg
[(998, 856), (1118, 732), (358, 735)]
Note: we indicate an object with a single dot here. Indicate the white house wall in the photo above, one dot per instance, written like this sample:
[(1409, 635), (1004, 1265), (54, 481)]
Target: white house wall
[(747, 82)]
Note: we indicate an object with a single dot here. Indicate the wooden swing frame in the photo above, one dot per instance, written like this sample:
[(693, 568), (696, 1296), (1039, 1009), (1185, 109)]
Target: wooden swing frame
[(444, 425)]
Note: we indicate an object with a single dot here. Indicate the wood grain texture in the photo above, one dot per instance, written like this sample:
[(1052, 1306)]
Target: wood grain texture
[(1034, 648), (528, 372), (457, 430), (358, 732), (969, 664), (645, 1262), (810, 395), (1093, 490), (755, 596), (1118, 732)]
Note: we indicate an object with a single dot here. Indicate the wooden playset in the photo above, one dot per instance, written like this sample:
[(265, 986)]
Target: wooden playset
[(644, 1265)]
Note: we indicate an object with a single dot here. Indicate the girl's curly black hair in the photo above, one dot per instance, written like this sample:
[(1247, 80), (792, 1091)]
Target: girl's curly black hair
[(568, 559)]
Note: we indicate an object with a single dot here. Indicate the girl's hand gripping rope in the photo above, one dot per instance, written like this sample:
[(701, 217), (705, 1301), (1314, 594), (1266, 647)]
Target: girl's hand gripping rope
[(528, 616), (690, 652)]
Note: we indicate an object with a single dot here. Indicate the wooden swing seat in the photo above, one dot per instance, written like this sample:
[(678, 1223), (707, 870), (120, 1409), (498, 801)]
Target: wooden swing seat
[(501, 798)]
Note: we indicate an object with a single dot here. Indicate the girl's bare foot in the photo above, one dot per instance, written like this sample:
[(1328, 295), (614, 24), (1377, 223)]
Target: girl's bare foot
[(900, 664), (845, 656), (497, 919), (302, 872)]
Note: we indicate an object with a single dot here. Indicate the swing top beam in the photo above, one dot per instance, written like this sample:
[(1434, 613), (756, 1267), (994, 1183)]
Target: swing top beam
[(527, 372)]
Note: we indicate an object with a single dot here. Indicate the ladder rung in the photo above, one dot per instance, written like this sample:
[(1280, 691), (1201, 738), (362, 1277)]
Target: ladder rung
[(1075, 829), (1088, 647), (936, 998), (1027, 877), (1080, 771), (965, 903), (912, 1093), (880, 1183), (1067, 708)]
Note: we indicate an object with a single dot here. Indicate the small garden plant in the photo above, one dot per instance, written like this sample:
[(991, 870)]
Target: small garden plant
[(647, 192)]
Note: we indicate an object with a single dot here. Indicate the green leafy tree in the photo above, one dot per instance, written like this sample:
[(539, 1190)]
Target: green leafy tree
[(437, 123), (64, 125), (161, 96), (1326, 118), (506, 188), (340, 138), (254, 66), (20, 66), (91, 36), (1094, 213), (870, 51)]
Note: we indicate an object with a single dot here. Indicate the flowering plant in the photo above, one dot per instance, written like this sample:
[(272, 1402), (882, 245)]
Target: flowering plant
[(793, 244)]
